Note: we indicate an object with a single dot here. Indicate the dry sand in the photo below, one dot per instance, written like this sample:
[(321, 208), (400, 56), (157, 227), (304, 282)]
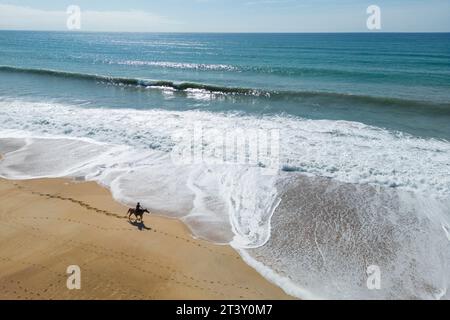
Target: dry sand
[(47, 225)]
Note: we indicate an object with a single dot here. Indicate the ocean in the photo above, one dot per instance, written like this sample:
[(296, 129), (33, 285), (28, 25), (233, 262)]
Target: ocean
[(363, 162)]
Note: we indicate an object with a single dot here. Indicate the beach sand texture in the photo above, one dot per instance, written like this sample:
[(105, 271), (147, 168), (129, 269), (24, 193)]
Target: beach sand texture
[(48, 225)]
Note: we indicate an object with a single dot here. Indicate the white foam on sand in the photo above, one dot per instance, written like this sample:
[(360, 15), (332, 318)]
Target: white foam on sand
[(346, 151), (329, 233), (386, 191), (197, 194)]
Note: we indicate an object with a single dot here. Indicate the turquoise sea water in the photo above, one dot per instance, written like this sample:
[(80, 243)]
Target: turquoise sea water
[(364, 144), (395, 81)]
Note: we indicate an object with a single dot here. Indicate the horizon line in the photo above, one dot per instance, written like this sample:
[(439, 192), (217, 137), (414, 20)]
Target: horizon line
[(231, 32)]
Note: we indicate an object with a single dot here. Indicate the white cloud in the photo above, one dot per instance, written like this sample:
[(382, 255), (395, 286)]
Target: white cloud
[(26, 18)]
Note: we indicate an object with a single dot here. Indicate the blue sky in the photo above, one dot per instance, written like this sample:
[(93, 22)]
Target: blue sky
[(228, 15)]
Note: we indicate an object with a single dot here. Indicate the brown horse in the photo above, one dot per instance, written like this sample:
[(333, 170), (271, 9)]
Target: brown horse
[(139, 215)]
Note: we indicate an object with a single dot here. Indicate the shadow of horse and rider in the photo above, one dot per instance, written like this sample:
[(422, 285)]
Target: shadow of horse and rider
[(138, 214)]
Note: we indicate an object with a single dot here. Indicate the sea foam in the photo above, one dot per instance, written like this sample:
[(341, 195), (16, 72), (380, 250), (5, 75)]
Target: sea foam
[(347, 151), (351, 195), (329, 234)]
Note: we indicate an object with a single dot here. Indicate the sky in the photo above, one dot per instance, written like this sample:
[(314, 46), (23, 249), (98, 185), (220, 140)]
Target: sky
[(227, 15)]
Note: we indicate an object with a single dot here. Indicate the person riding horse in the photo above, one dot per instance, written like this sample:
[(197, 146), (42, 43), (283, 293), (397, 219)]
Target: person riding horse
[(138, 212)]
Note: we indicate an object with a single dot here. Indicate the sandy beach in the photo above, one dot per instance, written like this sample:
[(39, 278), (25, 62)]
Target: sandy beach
[(48, 225), (284, 154)]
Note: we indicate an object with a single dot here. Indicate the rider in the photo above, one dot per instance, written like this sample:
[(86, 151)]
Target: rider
[(138, 207)]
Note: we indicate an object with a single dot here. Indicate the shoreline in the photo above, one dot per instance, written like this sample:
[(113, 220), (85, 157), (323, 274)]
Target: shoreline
[(49, 224)]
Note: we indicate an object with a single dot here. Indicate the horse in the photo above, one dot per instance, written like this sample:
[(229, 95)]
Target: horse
[(139, 215)]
